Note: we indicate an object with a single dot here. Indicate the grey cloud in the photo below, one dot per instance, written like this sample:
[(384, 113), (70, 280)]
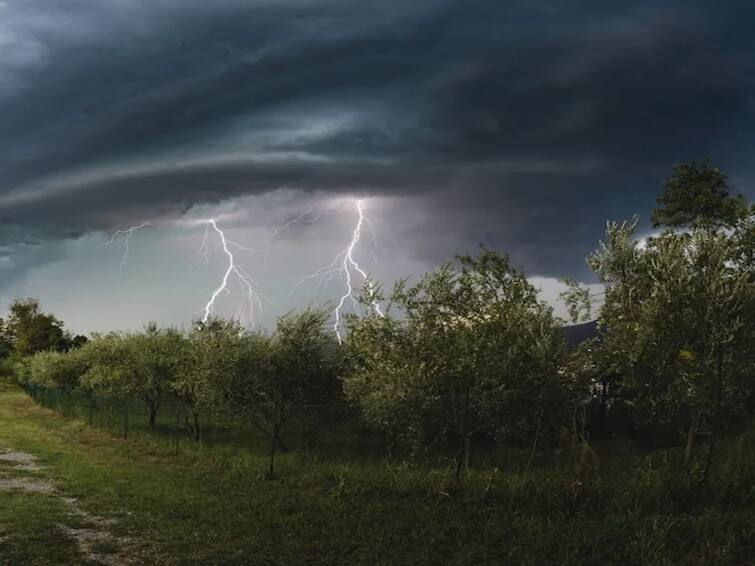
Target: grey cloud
[(523, 125)]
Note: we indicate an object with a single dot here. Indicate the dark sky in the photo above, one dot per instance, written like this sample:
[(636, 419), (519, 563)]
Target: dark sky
[(521, 125)]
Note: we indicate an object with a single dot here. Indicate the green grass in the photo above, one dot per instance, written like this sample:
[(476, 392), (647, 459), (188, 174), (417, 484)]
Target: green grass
[(29, 533), (213, 505)]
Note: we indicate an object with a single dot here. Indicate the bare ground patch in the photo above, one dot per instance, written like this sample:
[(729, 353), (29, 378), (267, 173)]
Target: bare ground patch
[(94, 540), (22, 461)]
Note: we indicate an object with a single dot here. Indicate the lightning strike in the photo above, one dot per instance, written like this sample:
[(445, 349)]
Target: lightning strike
[(345, 266), (245, 281), (309, 216), (125, 238)]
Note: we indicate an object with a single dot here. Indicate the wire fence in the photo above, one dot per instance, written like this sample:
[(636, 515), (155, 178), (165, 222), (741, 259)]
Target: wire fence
[(175, 422)]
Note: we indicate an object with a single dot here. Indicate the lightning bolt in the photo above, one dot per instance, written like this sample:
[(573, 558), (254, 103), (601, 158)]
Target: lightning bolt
[(125, 238), (309, 216), (245, 281), (345, 266)]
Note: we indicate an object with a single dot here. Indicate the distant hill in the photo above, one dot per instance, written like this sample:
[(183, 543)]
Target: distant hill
[(578, 333)]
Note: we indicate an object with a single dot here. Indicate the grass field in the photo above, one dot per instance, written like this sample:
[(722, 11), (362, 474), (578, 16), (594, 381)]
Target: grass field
[(213, 505)]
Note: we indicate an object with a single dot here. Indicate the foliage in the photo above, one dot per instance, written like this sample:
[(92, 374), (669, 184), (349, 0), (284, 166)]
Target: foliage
[(473, 352), (160, 355), (577, 299), (56, 370), (468, 351), (678, 316), (206, 378), (112, 363), (697, 196), (31, 331), (306, 366), (291, 375)]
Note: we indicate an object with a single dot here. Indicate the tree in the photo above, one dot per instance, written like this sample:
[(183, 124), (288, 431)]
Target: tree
[(577, 299), (292, 375), (159, 355), (678, 320), (473, 351), (6, 340), (304, 381), (7, 360), (33, 331), (56, 370), (743, 241), (78, 341), (697, 196), (112, 368), (207, 375)]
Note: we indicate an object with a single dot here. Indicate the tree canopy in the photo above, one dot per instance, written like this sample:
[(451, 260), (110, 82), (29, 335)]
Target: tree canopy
[(472, 350), (697, 196)]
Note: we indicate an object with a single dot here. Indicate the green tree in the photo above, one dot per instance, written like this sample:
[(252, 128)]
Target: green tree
[(743, 240), (6, 340), (577, 299), (32, 331), (160, 355), (206, 378), (304, 381), (472, 351), (112, 368), (291, 376), (697, 196), (7, 359), (56, 370), (678, 315)]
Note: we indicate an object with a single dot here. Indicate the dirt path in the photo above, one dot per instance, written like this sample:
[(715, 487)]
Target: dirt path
[(21, 472)]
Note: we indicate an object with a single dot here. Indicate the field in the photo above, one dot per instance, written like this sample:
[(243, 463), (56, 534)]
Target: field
[(137, 501)]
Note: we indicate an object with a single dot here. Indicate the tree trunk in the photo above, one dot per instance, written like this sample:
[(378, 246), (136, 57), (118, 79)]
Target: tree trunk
[(279, 442), (690, 442), (91, 411), (603, 404), (197, 434), (463, 458), (717, 415), (467, 451), (274, 440), (534, 440), (152, 417)]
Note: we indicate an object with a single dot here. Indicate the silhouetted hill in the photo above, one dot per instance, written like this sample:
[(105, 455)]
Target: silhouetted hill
[(578, 333)]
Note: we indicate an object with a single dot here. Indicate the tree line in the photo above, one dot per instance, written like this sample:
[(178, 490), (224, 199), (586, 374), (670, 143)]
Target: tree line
[(469, 352)]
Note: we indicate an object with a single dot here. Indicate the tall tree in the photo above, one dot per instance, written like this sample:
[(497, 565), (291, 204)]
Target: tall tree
[(472, 351), (697, 196), (33, 331), (208, 372), (6, 340), (287, 378), (678, 315)]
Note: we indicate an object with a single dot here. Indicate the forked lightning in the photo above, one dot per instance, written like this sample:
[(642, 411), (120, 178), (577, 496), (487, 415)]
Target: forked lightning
[(344, 265), (125, 238), (245, 280)]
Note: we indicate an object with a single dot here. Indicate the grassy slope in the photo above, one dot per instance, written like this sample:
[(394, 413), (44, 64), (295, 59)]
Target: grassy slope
[(214, 507)]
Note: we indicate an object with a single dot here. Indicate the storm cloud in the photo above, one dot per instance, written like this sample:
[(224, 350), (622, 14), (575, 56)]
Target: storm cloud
[(523, 125)]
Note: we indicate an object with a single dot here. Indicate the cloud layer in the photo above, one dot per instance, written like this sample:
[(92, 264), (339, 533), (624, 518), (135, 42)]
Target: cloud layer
[(520, 124)]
